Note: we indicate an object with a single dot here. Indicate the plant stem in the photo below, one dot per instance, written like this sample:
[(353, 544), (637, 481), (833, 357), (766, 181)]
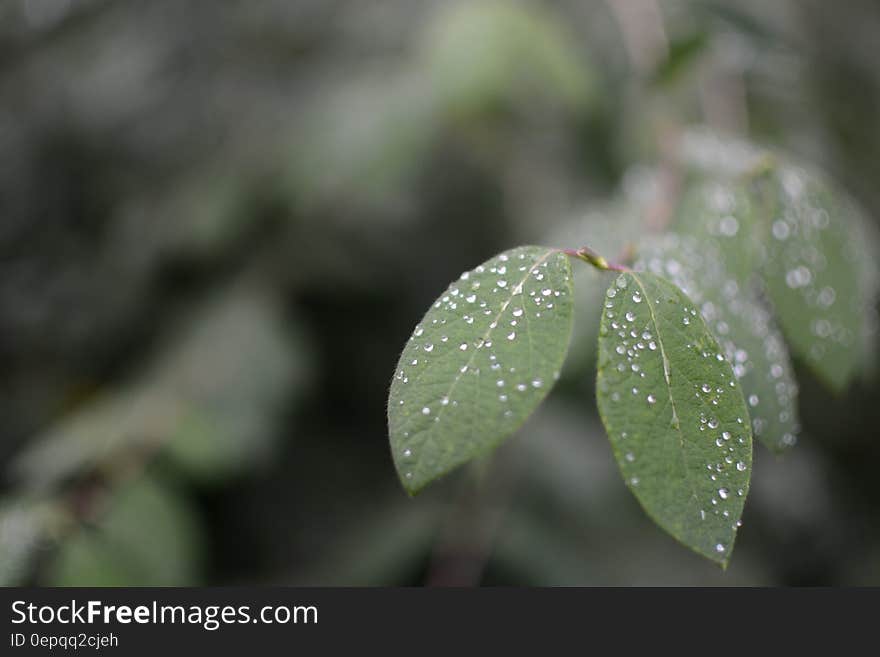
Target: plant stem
[(591, 257)]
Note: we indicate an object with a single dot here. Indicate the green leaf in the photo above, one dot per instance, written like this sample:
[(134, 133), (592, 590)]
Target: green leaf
[(812, 245), (811, 273), (741, 324), (480, 361), (683, 55), (216, 417), (149, 536), (674, 413), (608, 229), (480, 56), (704, 151), (721, 212)]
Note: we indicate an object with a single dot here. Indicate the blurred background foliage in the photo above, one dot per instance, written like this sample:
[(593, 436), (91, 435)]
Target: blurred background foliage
[(219, 222)]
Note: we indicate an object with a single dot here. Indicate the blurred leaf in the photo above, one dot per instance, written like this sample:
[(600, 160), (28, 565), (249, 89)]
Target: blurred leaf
[(748, 336), (479, 362), (683, 53), (706, 152), (147, 537), (213, 397), (486, 54), (721, 213), (25, 526), (760, 32), (812, 275), (815, 251), (365, 141), (674, 413), (865, 239), (237, 370), (126, 419)]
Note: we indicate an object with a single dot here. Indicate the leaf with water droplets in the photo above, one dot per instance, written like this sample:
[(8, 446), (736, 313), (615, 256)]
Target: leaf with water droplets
[(609, 228), (479, 363), (811, 272), (674, 413), (720, 212), (743, 326)]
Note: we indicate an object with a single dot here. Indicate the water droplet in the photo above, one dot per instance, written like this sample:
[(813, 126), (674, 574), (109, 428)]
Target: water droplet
[(729, 226), (428, 347), (463, 346), (637, 298), (719, 548), (723, 493), (753, 400), (511, 335), (517, 312), (780, 230), (798, 277), (407, 453), (426, 411), (537, 383), (502, 283), (651, 399), (630, 316), (741, 466), (629, 456)]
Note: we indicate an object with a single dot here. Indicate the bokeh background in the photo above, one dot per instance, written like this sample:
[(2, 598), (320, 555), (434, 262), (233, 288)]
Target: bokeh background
[(219, 222)]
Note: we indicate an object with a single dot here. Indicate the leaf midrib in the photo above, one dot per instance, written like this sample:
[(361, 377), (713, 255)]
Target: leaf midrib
[(675, 417), (488, 334)]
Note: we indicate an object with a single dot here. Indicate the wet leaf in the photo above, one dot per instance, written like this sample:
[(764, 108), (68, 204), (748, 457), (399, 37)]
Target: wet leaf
[(721, 212), (811, 273), (607, 229), (480, 361), (674, 413), (743, 327)]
